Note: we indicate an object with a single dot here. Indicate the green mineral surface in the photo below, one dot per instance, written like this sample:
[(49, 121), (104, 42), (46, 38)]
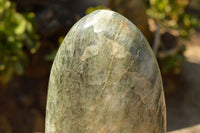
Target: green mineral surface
[(105, 79)]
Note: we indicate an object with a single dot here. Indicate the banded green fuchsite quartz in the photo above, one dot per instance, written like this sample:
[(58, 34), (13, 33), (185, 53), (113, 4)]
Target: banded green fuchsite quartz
[(105, 79)]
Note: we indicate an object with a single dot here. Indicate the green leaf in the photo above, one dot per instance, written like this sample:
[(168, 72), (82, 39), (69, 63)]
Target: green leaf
[(16, 33), (19, 69), (51, 56), (21, 27), (91, 9)]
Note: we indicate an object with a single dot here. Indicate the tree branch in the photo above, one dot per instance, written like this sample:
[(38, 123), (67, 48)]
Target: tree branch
[(156, 43)]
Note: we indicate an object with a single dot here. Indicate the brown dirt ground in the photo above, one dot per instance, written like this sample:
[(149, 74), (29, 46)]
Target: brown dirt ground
[(183, 108)]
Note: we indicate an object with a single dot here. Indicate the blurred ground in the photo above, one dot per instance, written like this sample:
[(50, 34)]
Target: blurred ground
[(183, 108)]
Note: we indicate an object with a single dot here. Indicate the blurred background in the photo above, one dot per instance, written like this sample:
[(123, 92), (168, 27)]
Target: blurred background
[(32, 30)]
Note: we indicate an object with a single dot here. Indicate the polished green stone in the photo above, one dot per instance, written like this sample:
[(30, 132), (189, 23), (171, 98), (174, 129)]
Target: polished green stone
[(105, 79)]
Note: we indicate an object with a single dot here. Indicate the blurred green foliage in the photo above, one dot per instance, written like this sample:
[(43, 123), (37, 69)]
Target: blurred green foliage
[(91, 9), (171, 65), (171, 14), (17, 38)]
